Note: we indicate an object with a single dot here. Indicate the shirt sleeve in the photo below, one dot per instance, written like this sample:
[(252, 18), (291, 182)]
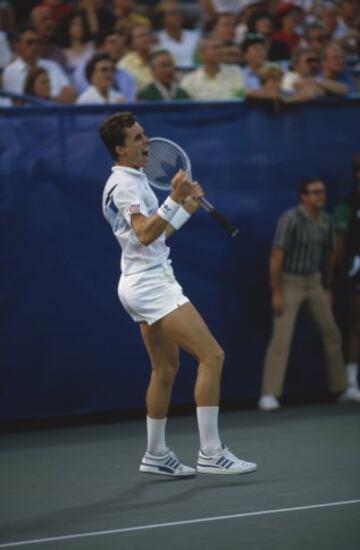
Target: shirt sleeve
[(342, 216), (283, 231), (128, 198)]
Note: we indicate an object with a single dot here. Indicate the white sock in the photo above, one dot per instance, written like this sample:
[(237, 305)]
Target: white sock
[(156, 436), (352, 374), (207, 418)]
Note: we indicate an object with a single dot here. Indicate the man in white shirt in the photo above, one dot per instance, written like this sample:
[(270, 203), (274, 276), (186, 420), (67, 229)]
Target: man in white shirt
[(27, 57), (152, 296), (213, 80), (173, 37)]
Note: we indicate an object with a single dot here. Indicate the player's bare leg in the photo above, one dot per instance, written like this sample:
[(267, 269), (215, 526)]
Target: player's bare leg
[(164, 357), (186, 327)]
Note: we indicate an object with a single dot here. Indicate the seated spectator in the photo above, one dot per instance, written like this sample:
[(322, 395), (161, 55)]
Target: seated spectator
[(327, 14), (305, 69), (37, 83), (334, 74), (58, 9), (74, 38), (164, 86), (5, 51), (113, 44), (248, 8), (254, 57), (315, 37), (126, 16), (97, 13), (261, 22), (172, 36), (288, 15), (43, 24), (26, 46), (223, 28), (213, 80), (137, 60), (271, 77), (99, 72), (348, 18)]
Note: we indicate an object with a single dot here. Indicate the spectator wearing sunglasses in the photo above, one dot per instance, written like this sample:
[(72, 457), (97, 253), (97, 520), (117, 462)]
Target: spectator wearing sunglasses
[(26, 47), (304, 242), (100, 75), (305, 68)]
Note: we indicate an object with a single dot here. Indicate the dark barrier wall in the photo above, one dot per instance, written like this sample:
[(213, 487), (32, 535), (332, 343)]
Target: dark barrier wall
[(67, 347)]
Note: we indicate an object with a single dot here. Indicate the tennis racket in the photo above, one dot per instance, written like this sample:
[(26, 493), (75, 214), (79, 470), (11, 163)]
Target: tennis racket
[(166, 158)]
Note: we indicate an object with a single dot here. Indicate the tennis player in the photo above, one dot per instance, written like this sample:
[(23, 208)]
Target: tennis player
[(153, 298)]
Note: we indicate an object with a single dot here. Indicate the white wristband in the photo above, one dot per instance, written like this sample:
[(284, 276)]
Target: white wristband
[(168, 209), (180, 217)]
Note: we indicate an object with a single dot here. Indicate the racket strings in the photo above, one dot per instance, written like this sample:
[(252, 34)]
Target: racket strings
[(165, 160)]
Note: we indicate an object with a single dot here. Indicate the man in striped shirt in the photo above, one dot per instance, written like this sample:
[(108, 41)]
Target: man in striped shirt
[(304, 243)]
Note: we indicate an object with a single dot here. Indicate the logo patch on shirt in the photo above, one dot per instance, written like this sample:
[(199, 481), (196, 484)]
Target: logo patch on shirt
[(134, 209)]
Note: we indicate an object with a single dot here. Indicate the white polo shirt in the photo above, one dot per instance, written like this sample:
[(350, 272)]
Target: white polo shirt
[(14, 76), (182, 51), (227, 83), (91, 96), (128, 192)]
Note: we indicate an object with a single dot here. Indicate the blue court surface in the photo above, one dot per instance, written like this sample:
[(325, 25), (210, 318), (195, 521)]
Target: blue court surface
[(79, 488)]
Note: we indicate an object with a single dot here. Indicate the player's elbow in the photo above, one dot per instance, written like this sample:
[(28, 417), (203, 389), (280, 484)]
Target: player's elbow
[(145, 239)]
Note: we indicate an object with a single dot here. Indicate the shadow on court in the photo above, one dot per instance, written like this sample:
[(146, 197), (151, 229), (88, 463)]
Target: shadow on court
[(83, 483)]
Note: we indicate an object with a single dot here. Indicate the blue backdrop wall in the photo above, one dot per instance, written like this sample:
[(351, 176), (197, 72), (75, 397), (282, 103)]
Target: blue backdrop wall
[(67, 347)]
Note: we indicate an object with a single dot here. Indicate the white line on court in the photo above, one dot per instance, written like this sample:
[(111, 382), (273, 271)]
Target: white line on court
[(176, 523)]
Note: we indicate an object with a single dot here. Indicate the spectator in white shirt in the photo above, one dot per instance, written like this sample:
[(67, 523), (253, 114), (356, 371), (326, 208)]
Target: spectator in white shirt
[(173, 37), (26, 46), (100, 75), (213, 80)]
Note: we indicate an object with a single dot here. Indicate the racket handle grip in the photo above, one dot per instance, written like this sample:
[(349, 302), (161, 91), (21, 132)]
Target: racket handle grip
[(229, 228)]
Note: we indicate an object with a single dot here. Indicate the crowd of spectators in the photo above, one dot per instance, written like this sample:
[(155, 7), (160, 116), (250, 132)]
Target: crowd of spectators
[(111, 51)]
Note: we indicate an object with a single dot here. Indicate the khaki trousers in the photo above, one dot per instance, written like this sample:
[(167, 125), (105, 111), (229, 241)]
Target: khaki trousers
[(298, 290)]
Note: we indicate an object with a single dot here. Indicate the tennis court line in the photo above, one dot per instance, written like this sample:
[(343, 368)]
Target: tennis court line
[(176, 523)]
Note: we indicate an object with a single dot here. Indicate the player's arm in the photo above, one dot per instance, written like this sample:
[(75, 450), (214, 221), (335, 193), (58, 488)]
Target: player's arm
[(149, 228), (276, 266), (189, 206)]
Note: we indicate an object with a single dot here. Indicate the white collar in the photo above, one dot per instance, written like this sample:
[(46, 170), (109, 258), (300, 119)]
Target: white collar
[(127, 169)]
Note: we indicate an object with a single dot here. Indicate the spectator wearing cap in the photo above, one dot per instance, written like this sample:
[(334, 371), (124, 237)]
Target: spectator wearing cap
[(213, 80), (43, 24), (99, 72), (334, 75), (137, 60), (173, 37), (165, 85), (288, 16), (26, 46)]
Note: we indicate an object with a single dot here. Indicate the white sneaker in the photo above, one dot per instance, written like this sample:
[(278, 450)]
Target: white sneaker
[(350, 395), (223, 462), (167, 465), (268, 403)]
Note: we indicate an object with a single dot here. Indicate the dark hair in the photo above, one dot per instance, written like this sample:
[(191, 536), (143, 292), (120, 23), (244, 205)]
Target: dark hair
[(63, 31), (112, 131), (304, 185), (250, 39), (101, 37), (157, 53), (257, 16), (16, 34), (93, 61), (31, 79)]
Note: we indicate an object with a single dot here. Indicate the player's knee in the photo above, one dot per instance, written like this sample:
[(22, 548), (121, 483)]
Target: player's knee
[(215, 356), (166, 374)]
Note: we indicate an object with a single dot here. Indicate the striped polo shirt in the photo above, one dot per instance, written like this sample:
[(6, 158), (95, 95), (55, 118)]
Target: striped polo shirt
[(305, 240)]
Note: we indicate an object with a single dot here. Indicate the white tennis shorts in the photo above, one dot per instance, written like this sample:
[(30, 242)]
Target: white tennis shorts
[(151, 294)]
